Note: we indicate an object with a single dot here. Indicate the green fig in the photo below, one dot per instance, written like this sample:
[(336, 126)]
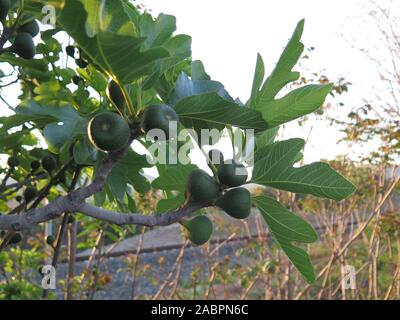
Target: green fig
[(30, 194), (13, 162), (50, 239), (5, 6), (49, 163), (158, 117), (77, 79), (116, 96), (236, 203), (31, 27), (35, 165), (24, 46), (108, 131), (18, 198), (70, 50), (81, 63), (201, 187), (229, 174), (199, 229)]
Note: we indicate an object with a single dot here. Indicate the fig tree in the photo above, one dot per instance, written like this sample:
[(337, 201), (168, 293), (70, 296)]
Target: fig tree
[(229, 174), (24, 46), (16, 238), (115, 94), (13, 162), (158, 117), (108, 131), (30, 194), (5, 6), (49, 163), (199, 229), (236, 203), (31, 27), (201, 187)]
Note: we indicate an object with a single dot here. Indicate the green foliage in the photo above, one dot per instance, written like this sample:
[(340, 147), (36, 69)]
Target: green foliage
[(286, 228), (274, 167), (154, 81)]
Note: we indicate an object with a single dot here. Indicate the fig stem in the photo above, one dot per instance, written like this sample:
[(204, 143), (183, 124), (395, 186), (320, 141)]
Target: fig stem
[(128, 101)]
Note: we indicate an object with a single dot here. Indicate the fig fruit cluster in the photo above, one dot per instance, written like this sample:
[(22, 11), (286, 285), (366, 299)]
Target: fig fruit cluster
[(109, 131), (224, 193), (22, 38)]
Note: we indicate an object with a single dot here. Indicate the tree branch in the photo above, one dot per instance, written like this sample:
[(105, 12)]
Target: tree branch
[(32, 217), (75, 202), (156, 219)]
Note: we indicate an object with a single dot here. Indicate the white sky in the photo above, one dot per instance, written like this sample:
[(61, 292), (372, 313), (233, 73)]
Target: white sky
[(227, 34)]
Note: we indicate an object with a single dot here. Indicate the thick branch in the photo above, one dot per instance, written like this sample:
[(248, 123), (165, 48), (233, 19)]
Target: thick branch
[(118, 218), (32, 217)]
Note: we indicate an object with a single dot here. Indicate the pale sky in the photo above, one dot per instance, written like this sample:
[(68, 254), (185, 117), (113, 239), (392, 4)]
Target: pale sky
[(227, 34)]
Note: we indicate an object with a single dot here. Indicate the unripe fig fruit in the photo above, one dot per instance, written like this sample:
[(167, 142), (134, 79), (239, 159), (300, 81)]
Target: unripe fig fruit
[(31, 27), (108, 131), (13, 162), (81, 63), (115, 94), (24, 46), (16, 238), (30, 194), (50, 239), (5, 6), (18, 198), (236, 203), (201, 187), (49, 163), (77, 79), (158, 117), (228, 174), (199, 229), (35, 165), (70, 50)]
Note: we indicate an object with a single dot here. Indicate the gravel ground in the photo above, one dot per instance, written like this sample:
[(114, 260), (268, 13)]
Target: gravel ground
[(121, 284)]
